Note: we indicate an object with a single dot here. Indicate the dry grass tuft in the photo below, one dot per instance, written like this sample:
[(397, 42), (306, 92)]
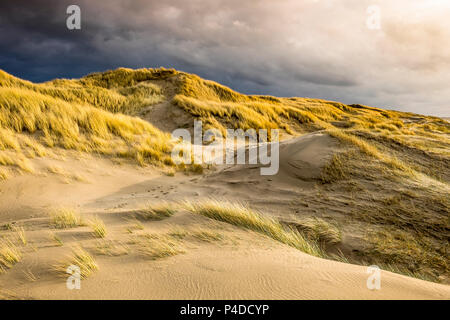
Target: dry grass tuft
[(79, 258), (98, 227), (20, 231), (53, 236), (111, 248), (9, 255), (319, 230), (334, 170), (157, 211), (156, 247), (64, 218), (242, 216), (207, 235)]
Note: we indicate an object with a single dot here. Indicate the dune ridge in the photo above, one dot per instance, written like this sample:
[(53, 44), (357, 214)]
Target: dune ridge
[(357, 185)]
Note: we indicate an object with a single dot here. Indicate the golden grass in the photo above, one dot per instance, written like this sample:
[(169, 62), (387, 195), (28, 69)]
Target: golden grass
[(63, 218), (53, 236), (79, 258), (156, 211), (87, 115), (319, 230), (408, 252), (98, 227), (156, 247), (84, 115), (122, 90), (20, 231), (242, 216), (4, 174), (9, 255), (207, 235), (111, 248), (54, 122), (178, 233), (334, 170)]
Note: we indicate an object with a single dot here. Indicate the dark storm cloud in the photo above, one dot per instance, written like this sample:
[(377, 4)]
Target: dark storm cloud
[(315, 48)]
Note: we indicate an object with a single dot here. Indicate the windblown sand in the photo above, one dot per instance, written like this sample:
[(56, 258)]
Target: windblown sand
[(238, 264)]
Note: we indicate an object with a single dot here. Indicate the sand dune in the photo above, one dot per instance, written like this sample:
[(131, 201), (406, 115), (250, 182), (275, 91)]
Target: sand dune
[(237, 264)]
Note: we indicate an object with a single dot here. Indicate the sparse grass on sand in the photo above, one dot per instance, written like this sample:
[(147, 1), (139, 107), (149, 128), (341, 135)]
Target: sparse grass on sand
[(242, 216), (53, 236), (79, 258), (9, 255), (63, 218), (319, 230), (207, 235), (334, 170), (156, 211), (111, 248), (158, 246), (20, 231), (98, 227)]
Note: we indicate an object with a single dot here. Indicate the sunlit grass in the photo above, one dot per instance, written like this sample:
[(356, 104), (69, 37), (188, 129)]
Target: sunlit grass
[(63, 218), (80, 258), (98, 227), (9, 255), (242, 216)]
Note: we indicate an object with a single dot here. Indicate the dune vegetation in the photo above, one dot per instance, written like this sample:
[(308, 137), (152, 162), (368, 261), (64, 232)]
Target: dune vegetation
[(86, 115), (391, 175), (97, 114), (243, 216)]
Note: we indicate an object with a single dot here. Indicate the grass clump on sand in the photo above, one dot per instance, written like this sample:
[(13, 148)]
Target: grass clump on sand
[(334, 170), (207, 235), (156, 247), (156, 211), (21, 236), (98, 227), (64, 218), (242, 216), (319, 230), (9, 255), (3, 174), (79, 258)]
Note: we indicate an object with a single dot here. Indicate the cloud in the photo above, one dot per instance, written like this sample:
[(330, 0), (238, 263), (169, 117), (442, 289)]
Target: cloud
[(315, 48)]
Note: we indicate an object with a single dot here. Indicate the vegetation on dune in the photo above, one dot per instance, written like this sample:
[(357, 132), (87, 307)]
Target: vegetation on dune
[(92, 114), (122, 90), (384, 153), (9, 255), (33, 117), (79, 258), (404, 222), (157, 211), (158, 246), (98, 227), (243, 216), (220, 107), (64, 218)]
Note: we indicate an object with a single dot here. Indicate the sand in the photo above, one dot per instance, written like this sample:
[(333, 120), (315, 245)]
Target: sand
[(240, 265)]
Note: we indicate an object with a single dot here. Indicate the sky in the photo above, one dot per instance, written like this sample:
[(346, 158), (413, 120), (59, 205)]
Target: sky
[(382, 53)]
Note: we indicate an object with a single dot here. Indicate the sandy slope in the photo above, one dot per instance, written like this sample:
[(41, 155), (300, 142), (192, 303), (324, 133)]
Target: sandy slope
[(242, 264)]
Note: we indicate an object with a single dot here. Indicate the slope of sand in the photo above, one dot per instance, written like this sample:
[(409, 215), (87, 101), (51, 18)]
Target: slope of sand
[(239, 265)]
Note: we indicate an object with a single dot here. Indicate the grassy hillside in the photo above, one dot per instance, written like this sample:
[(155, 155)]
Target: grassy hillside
[(392, 179), (89, 115)]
